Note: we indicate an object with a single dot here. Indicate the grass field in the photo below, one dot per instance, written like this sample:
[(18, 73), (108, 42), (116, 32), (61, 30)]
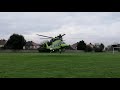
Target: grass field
[(55, 65)]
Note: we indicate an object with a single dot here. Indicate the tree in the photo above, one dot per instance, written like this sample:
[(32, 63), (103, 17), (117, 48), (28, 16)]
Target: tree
[(99, 47), (102, 47), (15, 42), (81, 45), (89, 48)]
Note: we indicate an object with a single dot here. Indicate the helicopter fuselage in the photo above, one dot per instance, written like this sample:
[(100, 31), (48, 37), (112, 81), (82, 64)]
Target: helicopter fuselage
[(58, 44), (55, 43)]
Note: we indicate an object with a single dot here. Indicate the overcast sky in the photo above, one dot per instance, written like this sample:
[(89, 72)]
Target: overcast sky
[(95, 27)]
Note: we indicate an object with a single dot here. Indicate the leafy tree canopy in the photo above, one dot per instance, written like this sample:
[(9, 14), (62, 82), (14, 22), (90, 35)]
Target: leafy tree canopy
[(15, 41), (81, 45)]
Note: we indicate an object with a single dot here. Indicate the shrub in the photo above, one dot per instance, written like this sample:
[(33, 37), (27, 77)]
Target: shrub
[(88, 48)]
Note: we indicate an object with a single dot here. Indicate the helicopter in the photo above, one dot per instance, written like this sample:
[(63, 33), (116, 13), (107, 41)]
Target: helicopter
[(55, 44)]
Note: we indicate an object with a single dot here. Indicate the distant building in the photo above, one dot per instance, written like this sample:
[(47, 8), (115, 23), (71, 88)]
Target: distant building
[(110, 47), (2, 42), (118, 45), (74, 46), (31, 45), (91, 45)]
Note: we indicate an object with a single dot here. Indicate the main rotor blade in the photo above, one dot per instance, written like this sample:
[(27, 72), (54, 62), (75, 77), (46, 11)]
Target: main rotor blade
[(44, 36), (74, 38), (63, 34)]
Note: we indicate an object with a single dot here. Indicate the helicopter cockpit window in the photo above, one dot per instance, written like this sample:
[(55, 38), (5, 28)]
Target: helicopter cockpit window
[(63, 43)]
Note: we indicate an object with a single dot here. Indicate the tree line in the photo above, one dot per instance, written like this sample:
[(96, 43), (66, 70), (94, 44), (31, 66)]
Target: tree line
[(81, 45), (16, 42)]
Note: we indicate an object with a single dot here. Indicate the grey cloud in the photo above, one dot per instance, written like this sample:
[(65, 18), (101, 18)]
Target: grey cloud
[(30, 21), (93, 26)]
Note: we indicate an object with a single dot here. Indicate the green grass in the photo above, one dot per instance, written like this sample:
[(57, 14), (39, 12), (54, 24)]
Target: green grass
[(55, 65)]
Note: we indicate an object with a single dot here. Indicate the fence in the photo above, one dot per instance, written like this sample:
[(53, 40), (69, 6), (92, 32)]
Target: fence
[(73, 51), (18, 51), (35, 51)]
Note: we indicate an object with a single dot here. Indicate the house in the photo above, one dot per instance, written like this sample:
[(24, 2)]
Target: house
[(2, 42), (74, 46), (91, 45), (31, 45)]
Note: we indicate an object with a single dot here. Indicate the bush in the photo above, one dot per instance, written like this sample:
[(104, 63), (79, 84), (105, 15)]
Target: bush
[(99, 48), (88, 48)]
